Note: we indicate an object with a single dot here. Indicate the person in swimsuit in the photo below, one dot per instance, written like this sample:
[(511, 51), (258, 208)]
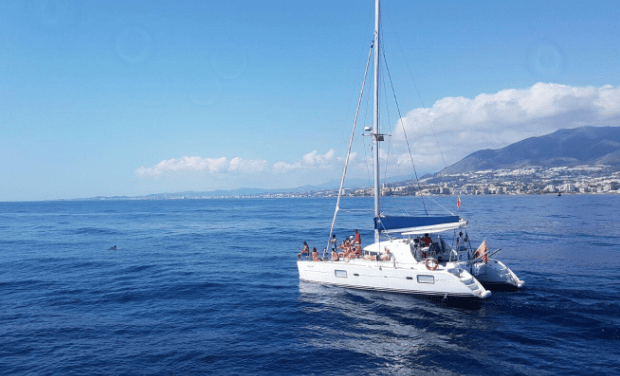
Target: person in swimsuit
[(315, 254), (387, 255), (305, 251), (335, 255)]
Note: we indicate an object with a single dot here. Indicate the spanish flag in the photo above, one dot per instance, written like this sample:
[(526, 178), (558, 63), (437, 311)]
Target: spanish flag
[(458, 202)]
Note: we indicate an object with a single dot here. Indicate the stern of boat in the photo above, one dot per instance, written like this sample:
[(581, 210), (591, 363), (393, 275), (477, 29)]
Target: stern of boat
[(472, 283), (496, 273)]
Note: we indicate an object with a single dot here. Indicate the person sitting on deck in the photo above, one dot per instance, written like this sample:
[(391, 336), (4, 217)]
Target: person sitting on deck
[(387, 255), (349, 250), (305, 251), (335, 255), (426, 240), (357, 250), (315, 254), (345, 246), (349, 256)]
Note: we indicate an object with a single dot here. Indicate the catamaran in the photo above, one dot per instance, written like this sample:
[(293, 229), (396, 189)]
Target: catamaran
[(401, 260)]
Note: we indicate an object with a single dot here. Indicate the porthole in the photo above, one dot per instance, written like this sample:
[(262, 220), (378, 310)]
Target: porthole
[(426, 279), (340, 273)]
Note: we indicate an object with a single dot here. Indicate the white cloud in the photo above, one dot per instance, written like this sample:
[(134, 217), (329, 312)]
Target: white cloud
[(315, 159), (285, 167), (200, 164), (312, 160), (247, 165), (439, 136), (462, 125)]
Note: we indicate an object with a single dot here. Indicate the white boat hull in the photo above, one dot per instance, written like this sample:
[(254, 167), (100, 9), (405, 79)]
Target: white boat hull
[(384, 276), (419, 265)]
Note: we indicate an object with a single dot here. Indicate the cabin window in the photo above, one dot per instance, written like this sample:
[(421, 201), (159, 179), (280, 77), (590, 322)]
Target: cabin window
[(409, 277), (426, 279), (355, 274), (340, 273)]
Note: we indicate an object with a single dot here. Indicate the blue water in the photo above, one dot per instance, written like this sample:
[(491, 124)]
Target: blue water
[(211, 287)]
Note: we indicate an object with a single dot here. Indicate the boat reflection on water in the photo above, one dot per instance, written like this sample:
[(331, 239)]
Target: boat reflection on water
[(402, 330)]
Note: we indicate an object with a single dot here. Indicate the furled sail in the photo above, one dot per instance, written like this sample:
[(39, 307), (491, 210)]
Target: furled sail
[(417, 225)]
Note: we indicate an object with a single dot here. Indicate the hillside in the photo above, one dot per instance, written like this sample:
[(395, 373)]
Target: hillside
[(565, 147)]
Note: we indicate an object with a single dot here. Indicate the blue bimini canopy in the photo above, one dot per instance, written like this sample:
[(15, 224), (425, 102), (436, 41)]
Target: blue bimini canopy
[(418, 225)]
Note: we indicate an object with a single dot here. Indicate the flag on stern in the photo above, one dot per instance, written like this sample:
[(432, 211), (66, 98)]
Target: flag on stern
[(483, 251)]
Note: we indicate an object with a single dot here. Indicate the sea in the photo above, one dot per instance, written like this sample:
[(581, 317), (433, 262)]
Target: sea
[(201, 287)]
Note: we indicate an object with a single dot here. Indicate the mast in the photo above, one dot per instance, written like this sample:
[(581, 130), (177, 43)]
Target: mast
[(377, 135)]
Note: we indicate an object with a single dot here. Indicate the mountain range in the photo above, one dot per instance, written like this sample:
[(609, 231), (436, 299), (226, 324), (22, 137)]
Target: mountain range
[(565, 147), (329, 185)]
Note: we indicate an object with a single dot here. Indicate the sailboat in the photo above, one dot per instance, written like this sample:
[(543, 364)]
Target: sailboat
[(400, 260)]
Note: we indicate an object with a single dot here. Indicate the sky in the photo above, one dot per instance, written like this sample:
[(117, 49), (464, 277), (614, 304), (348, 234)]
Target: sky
[(112, 98)]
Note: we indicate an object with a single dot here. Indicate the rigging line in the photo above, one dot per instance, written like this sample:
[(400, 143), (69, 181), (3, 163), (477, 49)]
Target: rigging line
[(346, 164), (382, 83), (400, 118), (441, 206), (369, 181), (415, 85), (387, 109)]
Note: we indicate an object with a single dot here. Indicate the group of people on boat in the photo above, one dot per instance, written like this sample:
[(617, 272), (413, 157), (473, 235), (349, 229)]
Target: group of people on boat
[(423, 248), (427, 247), (351, 248)]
